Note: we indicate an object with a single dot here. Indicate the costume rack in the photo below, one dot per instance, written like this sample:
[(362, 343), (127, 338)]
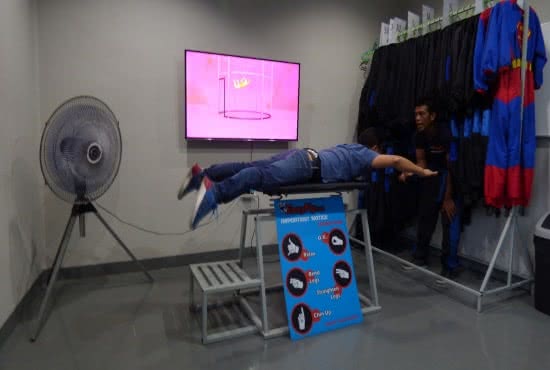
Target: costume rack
[(395, 32)]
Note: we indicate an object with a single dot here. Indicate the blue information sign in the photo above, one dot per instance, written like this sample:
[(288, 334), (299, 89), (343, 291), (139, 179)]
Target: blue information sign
[(316, 265)]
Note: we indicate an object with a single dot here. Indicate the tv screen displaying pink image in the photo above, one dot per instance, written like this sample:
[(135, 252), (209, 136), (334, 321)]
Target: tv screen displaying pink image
[(239, 98)]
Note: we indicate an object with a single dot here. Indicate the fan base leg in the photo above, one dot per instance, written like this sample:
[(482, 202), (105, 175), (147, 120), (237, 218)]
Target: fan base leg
[(55, 270), (77, 211)]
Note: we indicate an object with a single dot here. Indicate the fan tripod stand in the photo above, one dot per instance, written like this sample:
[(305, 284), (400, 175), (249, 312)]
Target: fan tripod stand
[(80, 208)]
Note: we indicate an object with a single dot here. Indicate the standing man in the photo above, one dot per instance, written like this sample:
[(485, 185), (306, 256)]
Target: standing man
[(433, 141)]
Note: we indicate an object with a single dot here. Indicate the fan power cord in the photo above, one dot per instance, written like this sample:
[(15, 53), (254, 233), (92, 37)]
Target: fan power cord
[(158, 233)]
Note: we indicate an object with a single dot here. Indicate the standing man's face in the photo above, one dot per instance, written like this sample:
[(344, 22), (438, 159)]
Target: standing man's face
[(423, 117)]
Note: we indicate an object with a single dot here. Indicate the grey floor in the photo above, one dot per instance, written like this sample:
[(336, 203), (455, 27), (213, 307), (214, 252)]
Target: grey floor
[(121, 322)]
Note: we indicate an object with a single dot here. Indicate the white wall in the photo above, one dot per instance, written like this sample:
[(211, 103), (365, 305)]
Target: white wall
[(542, 7), (131, 55), (21, 229)]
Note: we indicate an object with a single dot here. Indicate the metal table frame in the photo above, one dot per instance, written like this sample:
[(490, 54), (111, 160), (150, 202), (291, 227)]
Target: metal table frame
[(370, 305), (211, 279)]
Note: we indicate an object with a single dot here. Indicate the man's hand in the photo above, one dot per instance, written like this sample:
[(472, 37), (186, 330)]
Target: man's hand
[(448, 208), (297, 284), (336, 241), (404, 176), (428, 173), (342, 273), (292, 248), (302, 319)]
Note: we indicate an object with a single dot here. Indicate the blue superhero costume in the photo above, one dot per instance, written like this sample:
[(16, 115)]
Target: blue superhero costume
[(509, 168)]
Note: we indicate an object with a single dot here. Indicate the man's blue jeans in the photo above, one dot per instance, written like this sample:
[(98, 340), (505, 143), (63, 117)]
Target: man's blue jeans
[(233, 179)]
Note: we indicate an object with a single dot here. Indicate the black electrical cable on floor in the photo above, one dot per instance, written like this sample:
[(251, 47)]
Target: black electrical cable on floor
[(158, 233)]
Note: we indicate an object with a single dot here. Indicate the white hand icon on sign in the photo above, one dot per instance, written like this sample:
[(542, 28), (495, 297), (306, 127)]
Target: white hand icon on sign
[(342, 273), (336, 241), (292, 248), (296, 283), (301, 319)]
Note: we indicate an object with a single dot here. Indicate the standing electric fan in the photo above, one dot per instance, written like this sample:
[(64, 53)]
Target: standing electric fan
[(80, 154)]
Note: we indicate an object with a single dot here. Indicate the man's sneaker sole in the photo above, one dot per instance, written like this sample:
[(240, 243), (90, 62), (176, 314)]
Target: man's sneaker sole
[(206, 184), (200, 197), (185, 184)]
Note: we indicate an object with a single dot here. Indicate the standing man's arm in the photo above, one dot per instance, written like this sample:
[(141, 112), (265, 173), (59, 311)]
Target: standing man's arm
[(448, 208)]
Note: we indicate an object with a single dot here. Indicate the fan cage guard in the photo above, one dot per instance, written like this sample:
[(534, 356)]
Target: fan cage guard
[(82, 103)]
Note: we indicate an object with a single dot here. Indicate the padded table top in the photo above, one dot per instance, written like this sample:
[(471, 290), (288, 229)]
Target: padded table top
[(317, 188)]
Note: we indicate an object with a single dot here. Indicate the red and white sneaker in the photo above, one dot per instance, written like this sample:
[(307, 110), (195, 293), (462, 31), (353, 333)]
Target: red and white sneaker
[(206, 202)]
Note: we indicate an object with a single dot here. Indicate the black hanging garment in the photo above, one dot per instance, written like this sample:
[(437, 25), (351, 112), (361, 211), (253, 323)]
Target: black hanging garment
[(437, 65)]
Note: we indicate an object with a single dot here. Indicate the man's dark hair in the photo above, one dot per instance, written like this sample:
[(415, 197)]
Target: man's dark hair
[(428, 102), (369, 137)]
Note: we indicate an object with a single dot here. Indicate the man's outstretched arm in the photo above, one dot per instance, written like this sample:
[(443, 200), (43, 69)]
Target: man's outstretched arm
[(401, 164)]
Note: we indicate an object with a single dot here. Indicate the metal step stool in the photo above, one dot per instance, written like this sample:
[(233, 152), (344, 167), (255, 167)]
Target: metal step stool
[(218, 277)]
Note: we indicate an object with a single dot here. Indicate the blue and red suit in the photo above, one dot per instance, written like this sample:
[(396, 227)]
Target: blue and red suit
[(510, 163), (480, 80)]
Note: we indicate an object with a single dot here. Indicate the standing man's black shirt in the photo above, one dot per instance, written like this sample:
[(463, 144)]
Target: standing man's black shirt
[(435, 141)]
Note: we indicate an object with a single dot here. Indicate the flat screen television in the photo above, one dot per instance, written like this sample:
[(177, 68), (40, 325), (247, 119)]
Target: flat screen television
[(239, 98)]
